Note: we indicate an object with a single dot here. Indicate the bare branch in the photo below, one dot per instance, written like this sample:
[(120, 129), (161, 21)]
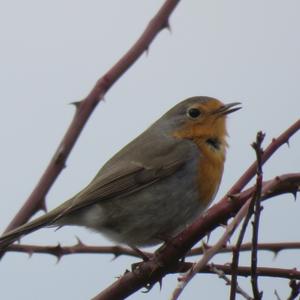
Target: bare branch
[(269, 151), (255, 198), (209, 254), (257, 210), (273, 247), (244, 271), (85, 108)]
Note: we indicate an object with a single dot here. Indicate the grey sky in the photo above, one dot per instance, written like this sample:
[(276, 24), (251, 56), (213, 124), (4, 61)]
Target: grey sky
[(51, 54)]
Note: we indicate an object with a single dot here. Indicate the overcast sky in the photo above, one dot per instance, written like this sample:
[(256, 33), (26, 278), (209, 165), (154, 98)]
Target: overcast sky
[(52, 53)]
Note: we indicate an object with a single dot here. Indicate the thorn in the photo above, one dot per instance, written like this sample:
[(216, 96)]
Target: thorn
[(135, 266), (276, 252), (57, 251), (60, 156), (58, 258), (160, 283), (43, 206), (288, 143), (148, 287), (58, 227), (147, 51), (79, 242), (30, 253), (168, 26), (115, 256), (76, 104), (208, 236), (294, 193)]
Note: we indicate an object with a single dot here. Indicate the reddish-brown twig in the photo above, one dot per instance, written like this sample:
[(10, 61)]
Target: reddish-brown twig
[(85, 108), (80, 248)]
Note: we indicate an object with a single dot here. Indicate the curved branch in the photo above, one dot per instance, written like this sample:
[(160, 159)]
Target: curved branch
[(84, 109)]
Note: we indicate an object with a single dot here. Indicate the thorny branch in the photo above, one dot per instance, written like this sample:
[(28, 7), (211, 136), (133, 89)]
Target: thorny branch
[(209, 254), (256, 210), (84, 109), (170, 253), (81, 248)]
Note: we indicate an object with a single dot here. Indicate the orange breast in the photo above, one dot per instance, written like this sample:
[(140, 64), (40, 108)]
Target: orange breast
[(210, 171)]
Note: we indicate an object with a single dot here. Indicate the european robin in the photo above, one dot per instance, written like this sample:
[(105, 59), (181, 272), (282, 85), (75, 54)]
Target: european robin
[(157, 184)]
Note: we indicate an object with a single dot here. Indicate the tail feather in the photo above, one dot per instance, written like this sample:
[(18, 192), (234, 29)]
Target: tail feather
[(15, 234)]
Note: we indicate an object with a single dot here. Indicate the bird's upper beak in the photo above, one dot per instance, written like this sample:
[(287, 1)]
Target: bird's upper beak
[(227, 109)]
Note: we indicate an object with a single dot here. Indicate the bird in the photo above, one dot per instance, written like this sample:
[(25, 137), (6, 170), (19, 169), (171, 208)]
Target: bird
[(155, 186)]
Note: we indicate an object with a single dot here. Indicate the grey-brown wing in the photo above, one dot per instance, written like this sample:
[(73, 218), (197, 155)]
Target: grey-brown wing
[(125, 181)]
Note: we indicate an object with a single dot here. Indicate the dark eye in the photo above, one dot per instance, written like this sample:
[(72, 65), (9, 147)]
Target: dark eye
[(193, 113)]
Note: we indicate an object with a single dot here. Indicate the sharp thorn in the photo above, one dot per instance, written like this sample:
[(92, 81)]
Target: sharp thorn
[(79, 242), (76, 104)]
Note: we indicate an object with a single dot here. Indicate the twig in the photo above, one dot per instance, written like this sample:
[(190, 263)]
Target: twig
[(273, 146), (295, 289), (273, 247), (119, 250), (80, 248), (85, 108), (257, 210), (244, 271), (208, 255), (222, 275), (255, 198), (277, 295), (59, 250)]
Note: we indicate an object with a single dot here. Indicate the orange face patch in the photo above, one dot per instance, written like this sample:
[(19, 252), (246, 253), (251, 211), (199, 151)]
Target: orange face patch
[(207, 126)]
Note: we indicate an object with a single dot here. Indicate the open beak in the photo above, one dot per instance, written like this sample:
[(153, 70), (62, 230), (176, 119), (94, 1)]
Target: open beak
[(227, 109)]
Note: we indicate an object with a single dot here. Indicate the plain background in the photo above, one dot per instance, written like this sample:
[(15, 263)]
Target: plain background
[(52, 53)]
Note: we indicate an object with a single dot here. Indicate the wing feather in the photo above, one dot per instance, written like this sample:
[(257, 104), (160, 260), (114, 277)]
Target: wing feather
[(120, 184)]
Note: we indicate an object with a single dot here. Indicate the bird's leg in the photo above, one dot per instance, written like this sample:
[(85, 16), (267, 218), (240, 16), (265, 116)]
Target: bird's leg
[(141, 254)]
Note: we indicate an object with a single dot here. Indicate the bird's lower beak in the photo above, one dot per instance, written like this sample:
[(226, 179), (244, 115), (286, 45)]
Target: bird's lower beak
[(227, 109)]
